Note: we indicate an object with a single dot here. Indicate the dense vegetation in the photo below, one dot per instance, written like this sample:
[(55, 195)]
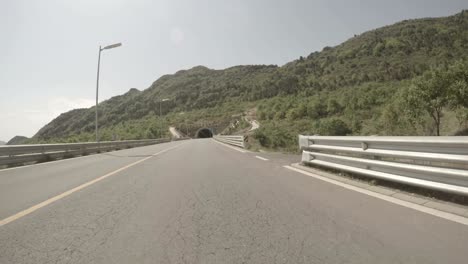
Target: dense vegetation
[(409, 78)]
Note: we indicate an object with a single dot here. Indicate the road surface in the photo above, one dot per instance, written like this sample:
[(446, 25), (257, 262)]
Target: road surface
[(199, 201)]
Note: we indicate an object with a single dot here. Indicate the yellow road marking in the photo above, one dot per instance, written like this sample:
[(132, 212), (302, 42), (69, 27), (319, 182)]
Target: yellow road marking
[(67, 193)]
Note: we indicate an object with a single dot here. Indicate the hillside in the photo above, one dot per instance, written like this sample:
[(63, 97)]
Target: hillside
[(348, 89), (2, 142), (17, 140)]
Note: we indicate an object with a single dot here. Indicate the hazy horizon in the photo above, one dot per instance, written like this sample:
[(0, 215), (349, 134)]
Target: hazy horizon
[(49, 52)]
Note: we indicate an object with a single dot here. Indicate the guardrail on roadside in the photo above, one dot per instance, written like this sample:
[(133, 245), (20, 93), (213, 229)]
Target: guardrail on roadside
[(439, 163), (181, 138), (19, 154), (238, 141)]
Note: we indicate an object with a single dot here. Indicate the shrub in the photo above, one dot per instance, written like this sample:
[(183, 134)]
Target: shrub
[(334, 127)]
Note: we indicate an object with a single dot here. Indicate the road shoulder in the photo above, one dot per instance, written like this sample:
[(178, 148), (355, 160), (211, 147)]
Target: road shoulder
[(451, 210)]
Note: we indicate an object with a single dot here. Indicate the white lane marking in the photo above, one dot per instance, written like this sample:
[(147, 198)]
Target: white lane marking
[(69, 159), (234, 148), (82, 186), (448, 216), (262, 158)]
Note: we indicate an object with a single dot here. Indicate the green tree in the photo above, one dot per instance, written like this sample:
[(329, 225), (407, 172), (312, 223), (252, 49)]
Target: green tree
[(292, 114), (316, 108), (458, 75), (430, 94), (333, 107), (378, 49), (392, 121), (334, 127)]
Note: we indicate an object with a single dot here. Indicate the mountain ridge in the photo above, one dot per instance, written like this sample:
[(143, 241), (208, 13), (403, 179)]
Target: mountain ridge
[(389, 56), (17, 140)]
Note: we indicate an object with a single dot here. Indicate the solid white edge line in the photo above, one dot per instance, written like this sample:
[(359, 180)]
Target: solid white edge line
[(71, 191), (448, 216), (226, 145), (262, 158)]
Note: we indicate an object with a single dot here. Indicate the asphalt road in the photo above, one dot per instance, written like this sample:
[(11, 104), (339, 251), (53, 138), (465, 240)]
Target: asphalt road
[(203, 202)]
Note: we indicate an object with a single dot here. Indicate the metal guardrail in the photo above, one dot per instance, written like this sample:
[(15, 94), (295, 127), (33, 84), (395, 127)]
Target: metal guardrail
[(181, 138), (19, 154), (238, 141), (439, 163)]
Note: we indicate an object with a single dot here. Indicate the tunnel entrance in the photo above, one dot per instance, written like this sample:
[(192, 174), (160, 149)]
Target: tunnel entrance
[(204, 133)]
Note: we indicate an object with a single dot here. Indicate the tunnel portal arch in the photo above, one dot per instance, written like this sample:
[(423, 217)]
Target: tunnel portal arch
[(204, 133)]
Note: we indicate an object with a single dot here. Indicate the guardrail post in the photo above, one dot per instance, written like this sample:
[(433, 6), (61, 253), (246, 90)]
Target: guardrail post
[(304, 141), (364, 145), (306, 157), (438, 163)]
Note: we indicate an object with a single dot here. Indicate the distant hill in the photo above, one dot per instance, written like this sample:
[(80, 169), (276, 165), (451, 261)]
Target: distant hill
[(347, 89), (17, 140), (2, 142)]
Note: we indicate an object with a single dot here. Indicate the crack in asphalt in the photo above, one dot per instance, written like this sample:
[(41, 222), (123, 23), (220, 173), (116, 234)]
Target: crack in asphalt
[(203, 213)]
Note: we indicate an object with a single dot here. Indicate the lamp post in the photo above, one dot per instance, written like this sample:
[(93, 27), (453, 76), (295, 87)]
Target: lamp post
[(97, 81), (160, 109)]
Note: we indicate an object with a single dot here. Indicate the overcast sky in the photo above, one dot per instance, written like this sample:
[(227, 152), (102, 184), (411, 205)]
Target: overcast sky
[(48, 48)]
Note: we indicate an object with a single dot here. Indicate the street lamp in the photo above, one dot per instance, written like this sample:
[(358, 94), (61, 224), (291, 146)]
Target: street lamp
[(97, 81), (160, 102)]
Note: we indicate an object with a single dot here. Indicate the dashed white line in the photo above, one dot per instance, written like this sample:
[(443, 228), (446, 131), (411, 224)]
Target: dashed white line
[(417, 207), (262, 158)]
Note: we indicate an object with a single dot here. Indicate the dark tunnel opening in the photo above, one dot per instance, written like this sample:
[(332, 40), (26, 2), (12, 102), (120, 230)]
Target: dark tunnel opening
[(204, 133)]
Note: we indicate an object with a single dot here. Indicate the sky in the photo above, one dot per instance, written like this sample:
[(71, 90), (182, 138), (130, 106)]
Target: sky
[(49, 48)]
